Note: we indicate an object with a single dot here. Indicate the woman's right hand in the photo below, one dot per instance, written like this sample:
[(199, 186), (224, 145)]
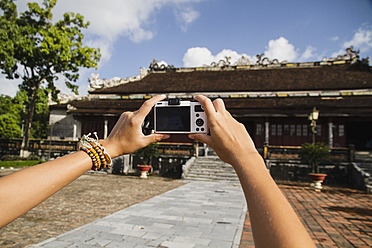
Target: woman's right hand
[(127, 136), (228, 138)]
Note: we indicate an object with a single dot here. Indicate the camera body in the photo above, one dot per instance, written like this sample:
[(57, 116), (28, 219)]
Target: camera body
[(176, 116)]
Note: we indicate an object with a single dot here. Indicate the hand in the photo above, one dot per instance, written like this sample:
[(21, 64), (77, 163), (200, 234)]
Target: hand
[(127, 136), (229, 138)]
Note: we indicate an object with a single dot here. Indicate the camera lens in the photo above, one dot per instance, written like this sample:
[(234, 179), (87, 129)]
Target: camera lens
[(199, 122)]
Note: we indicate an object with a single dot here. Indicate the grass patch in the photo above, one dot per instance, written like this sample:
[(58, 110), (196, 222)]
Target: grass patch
[(19, 163)]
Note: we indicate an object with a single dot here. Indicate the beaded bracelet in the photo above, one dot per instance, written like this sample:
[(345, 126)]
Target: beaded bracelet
[(100, 158), (100, 154)]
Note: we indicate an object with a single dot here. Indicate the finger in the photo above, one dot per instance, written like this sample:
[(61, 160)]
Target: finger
[(156, 137), (147, 106), (219, 105), (119, 123), (201, 138), (207, 105)]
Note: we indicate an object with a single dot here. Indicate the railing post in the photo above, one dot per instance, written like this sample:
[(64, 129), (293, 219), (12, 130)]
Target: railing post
[(351, 153), (266, 150)]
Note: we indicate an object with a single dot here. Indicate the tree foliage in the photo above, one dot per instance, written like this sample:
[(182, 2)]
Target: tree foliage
[(12, 115), (9, 126), (39, 51)]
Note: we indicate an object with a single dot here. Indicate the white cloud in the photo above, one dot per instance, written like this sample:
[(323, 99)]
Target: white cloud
[(200, 56), (309, 53), (197, 56), (133, 19), (339, 52), (335, 38), (281, 49), (185, 16), (361, 40), (112, 19)]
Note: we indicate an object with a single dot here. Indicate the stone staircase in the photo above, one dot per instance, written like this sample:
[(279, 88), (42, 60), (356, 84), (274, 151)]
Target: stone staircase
[(210, 168), (363, 163)]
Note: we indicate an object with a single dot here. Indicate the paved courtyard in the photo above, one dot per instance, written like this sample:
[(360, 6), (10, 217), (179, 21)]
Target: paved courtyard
[(197, 214), (213, 214), (336, 217)]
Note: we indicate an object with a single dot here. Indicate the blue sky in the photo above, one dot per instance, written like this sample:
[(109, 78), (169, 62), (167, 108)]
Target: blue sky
[(187, 33)]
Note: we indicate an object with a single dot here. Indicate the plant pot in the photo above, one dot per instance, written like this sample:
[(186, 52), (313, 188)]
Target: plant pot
[(144, 170), (317, 179)]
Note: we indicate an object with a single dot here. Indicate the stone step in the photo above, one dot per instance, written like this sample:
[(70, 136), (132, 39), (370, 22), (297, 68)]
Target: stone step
[(211, 173), (363, 156), (216, 170), (211, 178), (211, 168)]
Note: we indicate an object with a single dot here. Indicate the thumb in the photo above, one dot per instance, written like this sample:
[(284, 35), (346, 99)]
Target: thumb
[(156, 137), (201, 138)]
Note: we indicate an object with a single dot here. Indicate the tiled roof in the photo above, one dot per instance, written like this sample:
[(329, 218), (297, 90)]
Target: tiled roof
[(290, 77)]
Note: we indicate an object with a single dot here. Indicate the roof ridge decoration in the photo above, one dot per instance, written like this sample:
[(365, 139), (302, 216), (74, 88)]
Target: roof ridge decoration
[(97, 83), (223, 63), (350, 54), (154, 66)]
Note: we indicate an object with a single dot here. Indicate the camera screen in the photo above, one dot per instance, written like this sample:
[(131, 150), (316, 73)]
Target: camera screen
[(173, 119)]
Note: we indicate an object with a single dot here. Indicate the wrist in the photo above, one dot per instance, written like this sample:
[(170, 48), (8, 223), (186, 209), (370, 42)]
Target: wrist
[(108, 148), (249, 161)]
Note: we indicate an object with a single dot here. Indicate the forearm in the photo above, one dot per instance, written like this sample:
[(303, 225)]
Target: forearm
[(268, 208), (25, 189)]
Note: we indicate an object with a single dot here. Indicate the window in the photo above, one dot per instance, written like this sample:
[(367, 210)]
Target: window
[(280, 132), (298, 131), (258, 129), (304, 130), (319, 130), (286, 129), (273, 129), (341, 130), (293, 130)]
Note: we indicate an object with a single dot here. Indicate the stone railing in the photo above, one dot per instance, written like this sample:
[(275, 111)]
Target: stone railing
[(177, 149), (338, 154), (46, 149)]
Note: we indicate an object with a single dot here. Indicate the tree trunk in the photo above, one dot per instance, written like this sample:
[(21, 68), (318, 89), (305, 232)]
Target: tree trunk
[(30, 115)]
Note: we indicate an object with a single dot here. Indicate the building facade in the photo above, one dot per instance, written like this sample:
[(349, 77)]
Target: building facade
[(273, 100)]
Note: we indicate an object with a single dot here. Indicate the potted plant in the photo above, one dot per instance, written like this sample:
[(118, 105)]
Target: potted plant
[(146, 154), (313, 154)]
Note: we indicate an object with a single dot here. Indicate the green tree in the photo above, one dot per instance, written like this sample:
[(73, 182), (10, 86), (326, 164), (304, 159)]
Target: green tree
[(14, 108), (40, 126), (38, 51), (10, 118), (9, 126)]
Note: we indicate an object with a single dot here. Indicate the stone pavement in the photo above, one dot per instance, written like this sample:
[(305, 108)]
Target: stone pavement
[(198, 214), (335, 217), (211, 214)]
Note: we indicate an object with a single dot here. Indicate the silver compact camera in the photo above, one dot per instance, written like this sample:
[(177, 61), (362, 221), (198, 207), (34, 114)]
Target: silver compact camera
[(176, 116)]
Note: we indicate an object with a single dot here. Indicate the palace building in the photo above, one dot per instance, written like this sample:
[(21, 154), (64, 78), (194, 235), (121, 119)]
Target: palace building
[(273, 100)]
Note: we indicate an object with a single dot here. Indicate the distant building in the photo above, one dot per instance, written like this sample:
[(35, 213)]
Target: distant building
[(273, 100)]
